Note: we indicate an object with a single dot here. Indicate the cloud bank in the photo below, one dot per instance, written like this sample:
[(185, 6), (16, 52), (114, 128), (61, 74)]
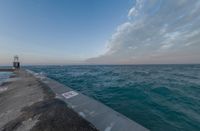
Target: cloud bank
[(156, 31)]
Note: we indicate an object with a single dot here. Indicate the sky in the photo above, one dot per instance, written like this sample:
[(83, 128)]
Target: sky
[(100, 31)]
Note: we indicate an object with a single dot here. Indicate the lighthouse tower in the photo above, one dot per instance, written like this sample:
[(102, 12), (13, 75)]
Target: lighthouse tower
[(16, 63)]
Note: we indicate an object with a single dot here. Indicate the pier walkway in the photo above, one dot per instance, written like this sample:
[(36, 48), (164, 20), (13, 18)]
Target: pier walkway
[(26, 104)]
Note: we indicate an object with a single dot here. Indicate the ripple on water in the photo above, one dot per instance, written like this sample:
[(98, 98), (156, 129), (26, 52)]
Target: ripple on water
[(160, 97)]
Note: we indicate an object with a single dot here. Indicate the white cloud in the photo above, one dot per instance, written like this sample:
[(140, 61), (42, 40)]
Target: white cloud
[(166, 46), (192, 34), (135, 10), (132, 12), (132, 47), (151, 37), (172, 36), (189, 43), (164, 29), (170, 39)]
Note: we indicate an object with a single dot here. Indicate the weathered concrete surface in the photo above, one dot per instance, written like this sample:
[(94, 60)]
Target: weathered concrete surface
[(27, 104), (101, 116)]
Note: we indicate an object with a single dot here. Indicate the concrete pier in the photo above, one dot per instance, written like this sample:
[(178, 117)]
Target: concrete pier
[(31, 101), (28, 104), (101, 116)]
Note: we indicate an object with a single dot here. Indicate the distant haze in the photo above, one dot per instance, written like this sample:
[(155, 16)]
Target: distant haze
[(100, 32)]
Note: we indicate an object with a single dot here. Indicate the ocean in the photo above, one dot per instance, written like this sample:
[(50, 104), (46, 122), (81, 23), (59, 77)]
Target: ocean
[(4, 76), (159, 97)]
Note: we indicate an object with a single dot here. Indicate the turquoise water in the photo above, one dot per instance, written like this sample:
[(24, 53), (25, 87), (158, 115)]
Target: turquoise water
[(159, 97), (4, 76)]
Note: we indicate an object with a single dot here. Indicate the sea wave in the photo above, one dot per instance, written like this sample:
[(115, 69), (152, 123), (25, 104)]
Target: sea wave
[(160, 97)]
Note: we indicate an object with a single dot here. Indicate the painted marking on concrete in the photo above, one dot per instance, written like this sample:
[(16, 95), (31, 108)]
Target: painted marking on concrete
[(69, 94), (109, 128), (82, 114)]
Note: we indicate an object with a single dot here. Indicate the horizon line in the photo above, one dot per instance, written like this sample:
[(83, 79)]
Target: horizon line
[(101, 64)]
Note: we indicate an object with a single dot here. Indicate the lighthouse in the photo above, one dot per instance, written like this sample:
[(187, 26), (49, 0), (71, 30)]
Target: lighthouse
[(16, 63)]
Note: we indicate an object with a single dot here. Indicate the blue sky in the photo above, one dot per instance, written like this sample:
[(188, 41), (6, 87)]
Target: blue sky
[(59, 31), (100, 31)]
